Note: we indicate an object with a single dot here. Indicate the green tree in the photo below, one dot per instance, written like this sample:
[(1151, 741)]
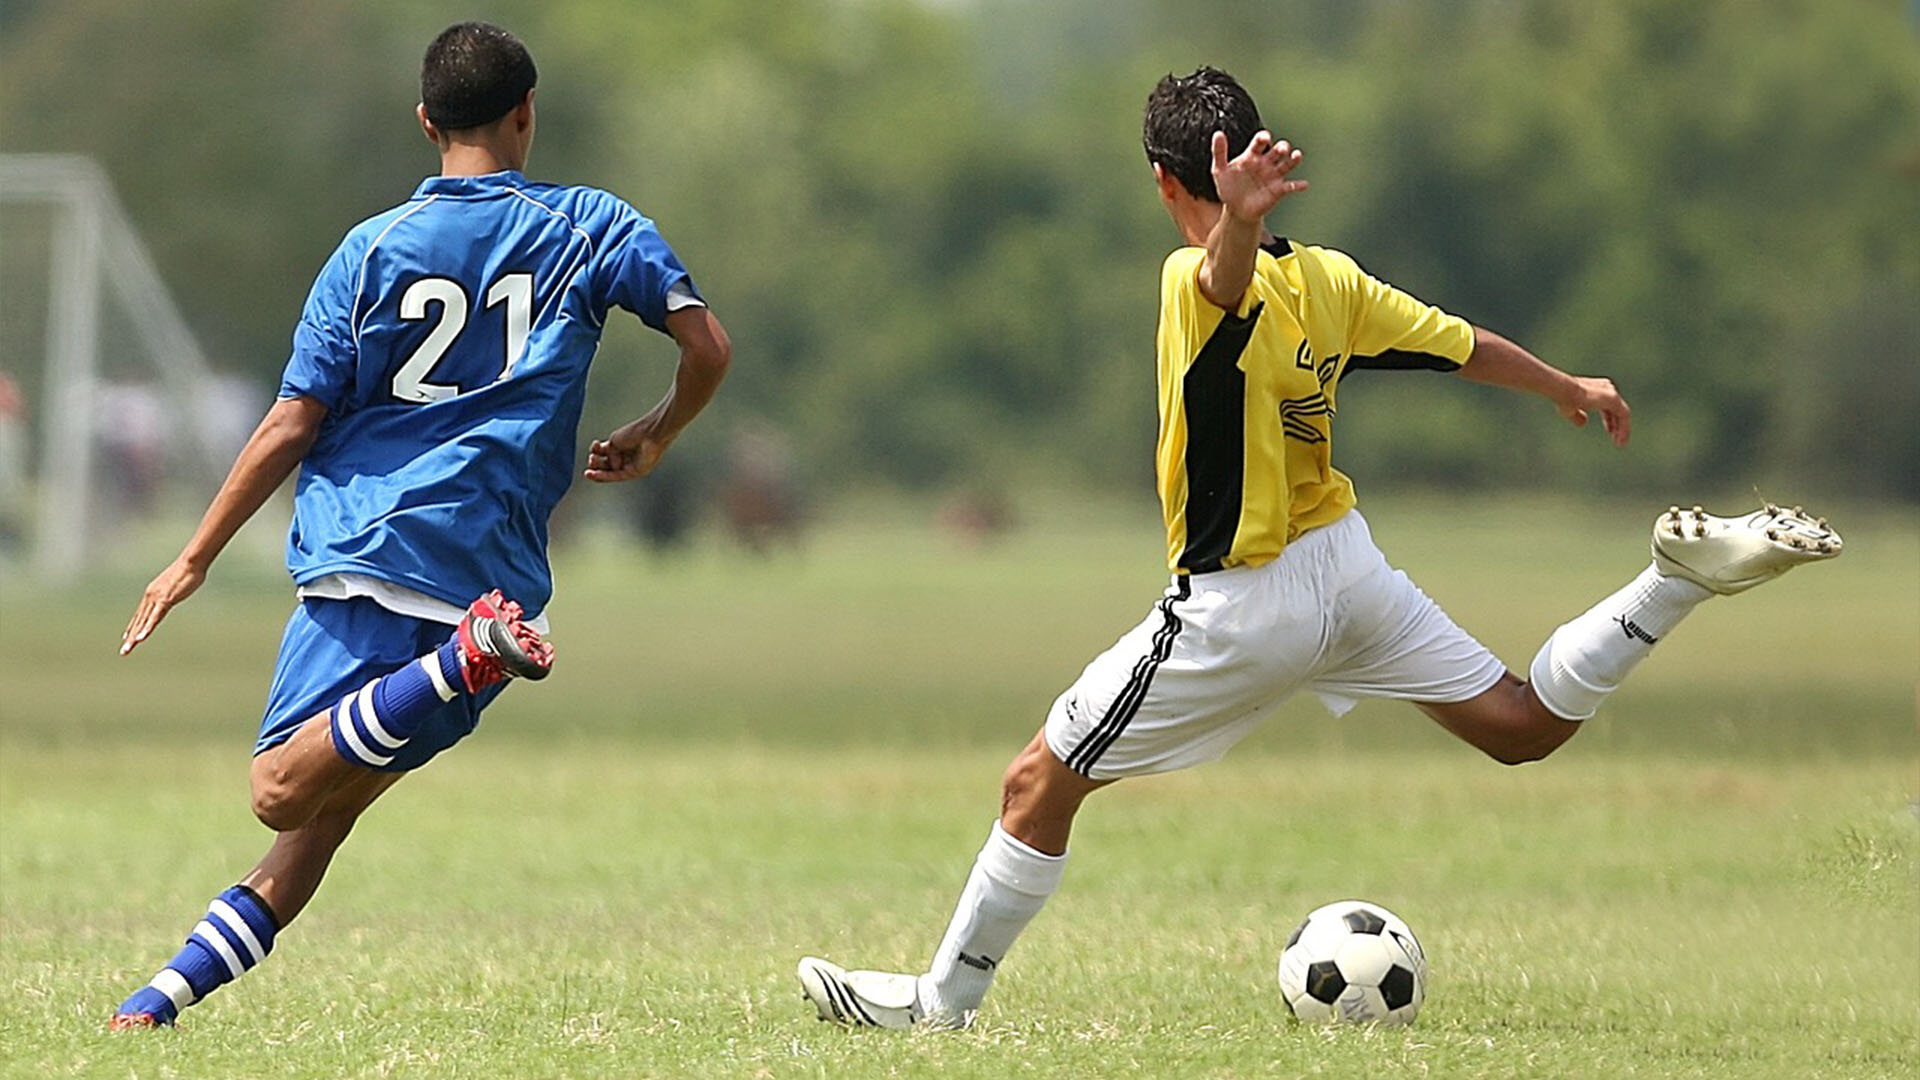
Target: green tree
[(931, 228)]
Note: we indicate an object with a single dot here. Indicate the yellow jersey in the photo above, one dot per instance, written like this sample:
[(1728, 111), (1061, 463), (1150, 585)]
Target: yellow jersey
[(1244, 460)]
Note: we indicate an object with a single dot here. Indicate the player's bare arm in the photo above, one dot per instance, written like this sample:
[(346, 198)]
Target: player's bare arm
[(1250, 186), (633, 449), (275, 448), (1497, 361)]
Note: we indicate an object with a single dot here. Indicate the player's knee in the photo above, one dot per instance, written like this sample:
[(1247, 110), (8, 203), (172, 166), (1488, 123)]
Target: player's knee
[(278, 805), (1038, 786), (1533, 745), (276, 812), (1028, 778), (1515, 755), (1017, 784)]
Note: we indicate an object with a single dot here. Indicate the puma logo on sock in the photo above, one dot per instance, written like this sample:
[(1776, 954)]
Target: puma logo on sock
[(1632, 630), (984, 963)]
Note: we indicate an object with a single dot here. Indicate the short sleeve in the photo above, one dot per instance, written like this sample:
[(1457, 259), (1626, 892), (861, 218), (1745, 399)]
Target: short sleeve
[(322, 365), (640, 272), (1186, 316), (1390, 329)]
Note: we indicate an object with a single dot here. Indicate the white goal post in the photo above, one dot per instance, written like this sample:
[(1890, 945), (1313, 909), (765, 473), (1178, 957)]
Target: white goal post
[(94, 245)]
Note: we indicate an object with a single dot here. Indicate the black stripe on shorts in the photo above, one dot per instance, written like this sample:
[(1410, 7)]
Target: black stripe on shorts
[(1127, 703)]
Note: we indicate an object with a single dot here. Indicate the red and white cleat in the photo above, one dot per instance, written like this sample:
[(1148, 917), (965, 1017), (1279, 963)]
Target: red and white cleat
[(495, 644)]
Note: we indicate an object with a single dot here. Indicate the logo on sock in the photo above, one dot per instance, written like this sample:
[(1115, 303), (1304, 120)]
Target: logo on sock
[(1632, 630), (984, 963)]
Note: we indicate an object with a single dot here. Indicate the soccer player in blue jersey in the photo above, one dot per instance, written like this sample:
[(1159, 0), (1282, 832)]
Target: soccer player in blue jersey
[(431, 404)]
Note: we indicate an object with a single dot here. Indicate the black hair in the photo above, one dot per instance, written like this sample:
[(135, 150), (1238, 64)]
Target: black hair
[(473, 74), (1183, 112)]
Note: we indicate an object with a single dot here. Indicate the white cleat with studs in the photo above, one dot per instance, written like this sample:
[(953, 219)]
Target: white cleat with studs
[(1730, 555), (879, 999)]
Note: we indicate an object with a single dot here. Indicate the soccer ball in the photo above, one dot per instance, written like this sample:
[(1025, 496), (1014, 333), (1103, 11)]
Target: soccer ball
[(1356, 962)]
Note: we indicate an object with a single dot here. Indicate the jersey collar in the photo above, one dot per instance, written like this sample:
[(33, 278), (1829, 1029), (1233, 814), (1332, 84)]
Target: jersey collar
[(470, 187)]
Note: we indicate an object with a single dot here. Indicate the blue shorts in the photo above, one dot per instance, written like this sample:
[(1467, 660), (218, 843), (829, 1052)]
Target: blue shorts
[(334, 647)]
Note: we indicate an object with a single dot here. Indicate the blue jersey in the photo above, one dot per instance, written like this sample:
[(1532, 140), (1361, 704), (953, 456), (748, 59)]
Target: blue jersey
[(449, 339)]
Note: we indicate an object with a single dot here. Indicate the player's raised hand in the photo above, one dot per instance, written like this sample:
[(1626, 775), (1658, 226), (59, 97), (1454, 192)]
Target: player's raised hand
[(1591, 395), (1251, 185), (177, 582)]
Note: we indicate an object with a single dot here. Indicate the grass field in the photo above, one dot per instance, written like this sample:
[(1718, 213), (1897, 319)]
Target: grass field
[(739, 762)]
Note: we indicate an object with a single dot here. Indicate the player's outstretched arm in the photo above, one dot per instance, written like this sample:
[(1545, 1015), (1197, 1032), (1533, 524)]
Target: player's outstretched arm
[(1250, 186), (633, 449), (277, 445), (1499, 362)]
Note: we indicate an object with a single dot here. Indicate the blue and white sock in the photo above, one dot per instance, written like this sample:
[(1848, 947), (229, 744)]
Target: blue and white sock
[(372, 723), (235, 936)]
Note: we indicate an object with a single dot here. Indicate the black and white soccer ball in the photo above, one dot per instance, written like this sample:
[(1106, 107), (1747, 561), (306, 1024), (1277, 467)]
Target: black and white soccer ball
[(1353, 962)]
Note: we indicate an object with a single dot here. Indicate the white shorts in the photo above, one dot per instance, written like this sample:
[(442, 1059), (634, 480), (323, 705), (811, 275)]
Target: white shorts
[(1329, 615)]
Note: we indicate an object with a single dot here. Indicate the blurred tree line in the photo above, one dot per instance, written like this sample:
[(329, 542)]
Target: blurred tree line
[(932, 233)]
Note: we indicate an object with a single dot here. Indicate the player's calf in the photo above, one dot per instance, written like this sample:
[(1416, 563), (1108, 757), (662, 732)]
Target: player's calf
[(1508, 722)]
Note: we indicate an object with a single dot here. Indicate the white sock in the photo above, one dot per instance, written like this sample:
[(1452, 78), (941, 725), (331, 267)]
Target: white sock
[(1009, 885), (1586, 659)]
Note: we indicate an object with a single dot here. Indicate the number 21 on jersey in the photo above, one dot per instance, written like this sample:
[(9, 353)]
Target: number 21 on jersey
[(515, 290)]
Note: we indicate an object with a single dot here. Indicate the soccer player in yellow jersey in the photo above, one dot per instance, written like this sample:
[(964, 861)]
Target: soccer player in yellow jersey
[(1277, 586)]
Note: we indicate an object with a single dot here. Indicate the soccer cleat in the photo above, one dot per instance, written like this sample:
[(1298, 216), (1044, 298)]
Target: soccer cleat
[(496, 645), (145, 1008), (1730, 555), (877, 999)]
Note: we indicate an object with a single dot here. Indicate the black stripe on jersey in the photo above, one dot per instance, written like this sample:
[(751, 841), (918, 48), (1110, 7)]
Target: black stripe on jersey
[(1403, 360), (1215, 391), (1296, 428), (1398, 359), (1294, 413), (1127, 702)]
